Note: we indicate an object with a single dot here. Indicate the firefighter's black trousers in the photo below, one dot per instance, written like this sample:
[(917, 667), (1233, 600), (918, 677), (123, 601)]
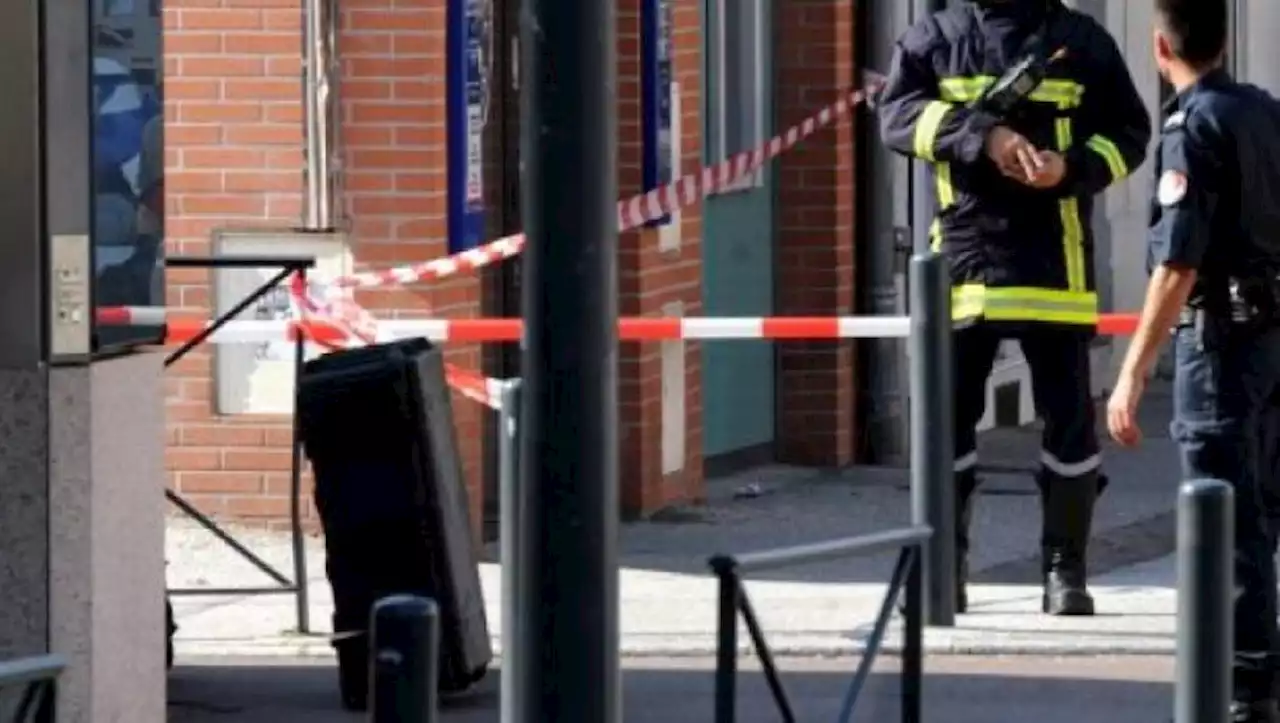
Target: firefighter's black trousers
[(1059, 361)]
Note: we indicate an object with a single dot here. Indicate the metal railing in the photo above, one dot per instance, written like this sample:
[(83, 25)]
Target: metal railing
[(297, 586), (38, 677), (734, 601)]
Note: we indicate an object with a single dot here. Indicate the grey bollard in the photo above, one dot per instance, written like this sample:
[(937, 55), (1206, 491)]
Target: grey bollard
[(509, 535), (932, 434), (1206, 535), (403, 660)]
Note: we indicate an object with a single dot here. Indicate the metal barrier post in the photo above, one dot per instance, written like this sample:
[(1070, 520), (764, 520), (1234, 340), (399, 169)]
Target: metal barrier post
[(508, 534), (913, 640), (1205, 580), (403, 660), (727, 641), (932, 486), (302, 596)]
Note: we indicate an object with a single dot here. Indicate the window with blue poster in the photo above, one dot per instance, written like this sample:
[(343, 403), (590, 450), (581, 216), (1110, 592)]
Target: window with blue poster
[(657, 70), (469, 68), (127, 156)]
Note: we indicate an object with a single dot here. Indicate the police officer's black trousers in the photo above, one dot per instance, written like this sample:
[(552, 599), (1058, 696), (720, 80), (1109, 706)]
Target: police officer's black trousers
[(1222, 406), (1069, 480)]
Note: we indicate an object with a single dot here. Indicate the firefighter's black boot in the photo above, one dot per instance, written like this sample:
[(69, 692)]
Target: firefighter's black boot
[(1067, 506), (966, 486)]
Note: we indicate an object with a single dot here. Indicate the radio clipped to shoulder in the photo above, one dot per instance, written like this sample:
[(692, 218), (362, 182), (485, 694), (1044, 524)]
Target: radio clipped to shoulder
[(1017, 83)]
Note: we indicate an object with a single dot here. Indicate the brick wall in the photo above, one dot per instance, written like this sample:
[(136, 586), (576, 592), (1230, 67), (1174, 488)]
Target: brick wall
[(234, 133), (650, 278), (234, 158), (815, 65)]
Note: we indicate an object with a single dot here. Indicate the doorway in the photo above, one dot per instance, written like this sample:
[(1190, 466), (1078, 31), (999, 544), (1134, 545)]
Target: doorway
[(738, 377)]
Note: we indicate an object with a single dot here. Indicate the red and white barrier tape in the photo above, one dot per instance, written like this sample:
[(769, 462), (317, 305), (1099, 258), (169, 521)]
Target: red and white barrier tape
[(636, 211), (473, 386), (310, 299), (334, 301), (479, 330), (335, 335)]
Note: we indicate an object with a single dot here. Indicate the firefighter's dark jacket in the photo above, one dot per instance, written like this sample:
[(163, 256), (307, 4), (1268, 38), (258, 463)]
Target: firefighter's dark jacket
[(1018, 254)]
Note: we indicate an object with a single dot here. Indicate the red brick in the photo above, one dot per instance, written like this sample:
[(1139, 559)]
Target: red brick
[(815, 271), (181, 459), (219, 19), (273, 460), (221, 435), (648, 280), (222, 483)]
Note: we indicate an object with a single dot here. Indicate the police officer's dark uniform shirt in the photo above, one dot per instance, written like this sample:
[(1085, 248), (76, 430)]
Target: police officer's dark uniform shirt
[(1216, 206), (1017, 254), (1216, 209)]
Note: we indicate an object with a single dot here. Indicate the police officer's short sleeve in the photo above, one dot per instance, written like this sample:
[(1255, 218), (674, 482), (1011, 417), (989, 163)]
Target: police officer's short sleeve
[(1185, 196)]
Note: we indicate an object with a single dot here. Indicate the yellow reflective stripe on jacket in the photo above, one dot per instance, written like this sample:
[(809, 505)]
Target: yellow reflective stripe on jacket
[(1110, 153), (1072, 226), (1062, 93), (925, 138), (927, 126), (1023, 303), (946, 198)]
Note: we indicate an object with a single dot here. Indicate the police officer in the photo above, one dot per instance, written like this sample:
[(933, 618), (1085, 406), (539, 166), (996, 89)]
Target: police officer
[(1014, 190), (1214, 258)]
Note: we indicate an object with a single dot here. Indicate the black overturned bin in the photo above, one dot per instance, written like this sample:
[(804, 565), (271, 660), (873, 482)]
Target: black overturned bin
[(377, 425)]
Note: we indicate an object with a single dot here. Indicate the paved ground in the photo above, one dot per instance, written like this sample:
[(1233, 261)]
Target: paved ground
[(668, 598), (957, 690)]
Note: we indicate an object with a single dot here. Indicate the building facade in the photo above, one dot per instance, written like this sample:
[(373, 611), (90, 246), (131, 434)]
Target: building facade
[(824, 230), (782, 243)]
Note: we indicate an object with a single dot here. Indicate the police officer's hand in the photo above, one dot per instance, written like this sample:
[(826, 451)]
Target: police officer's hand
[(1012, 153), (1122, 410), (1049, 170)]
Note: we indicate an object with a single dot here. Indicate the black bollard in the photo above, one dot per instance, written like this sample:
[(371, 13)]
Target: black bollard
[(403, 660), (566, 656), (1206, 527), (932, 480)]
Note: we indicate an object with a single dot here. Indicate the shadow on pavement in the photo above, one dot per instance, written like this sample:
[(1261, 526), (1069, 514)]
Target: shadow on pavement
[(781, 506), (957, 690)]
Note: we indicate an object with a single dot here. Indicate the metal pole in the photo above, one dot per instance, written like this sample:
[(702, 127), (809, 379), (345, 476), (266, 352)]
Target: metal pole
[(302, 591), (932, 483), (726, 695), (508, 536), (320, 73), (567, 653), (913, 640), (403, 660), (1206, 527)]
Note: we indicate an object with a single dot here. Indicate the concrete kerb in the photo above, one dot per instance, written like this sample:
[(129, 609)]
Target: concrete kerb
[(1136, 617)]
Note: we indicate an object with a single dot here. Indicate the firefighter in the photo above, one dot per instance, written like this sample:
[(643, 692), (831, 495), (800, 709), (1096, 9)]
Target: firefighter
[(1014, 196), (1214, 260)]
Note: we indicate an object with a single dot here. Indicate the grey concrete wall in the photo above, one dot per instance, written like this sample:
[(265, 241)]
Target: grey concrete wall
[(82, 532), (1257, 27), (106, 573), (24, 513)]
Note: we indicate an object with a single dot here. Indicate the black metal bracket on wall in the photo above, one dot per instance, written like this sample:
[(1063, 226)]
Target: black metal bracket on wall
[(297, 586)]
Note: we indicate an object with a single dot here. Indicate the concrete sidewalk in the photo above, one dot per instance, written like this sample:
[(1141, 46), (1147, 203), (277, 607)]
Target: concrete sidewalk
[(673, 614), (668, 597)]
